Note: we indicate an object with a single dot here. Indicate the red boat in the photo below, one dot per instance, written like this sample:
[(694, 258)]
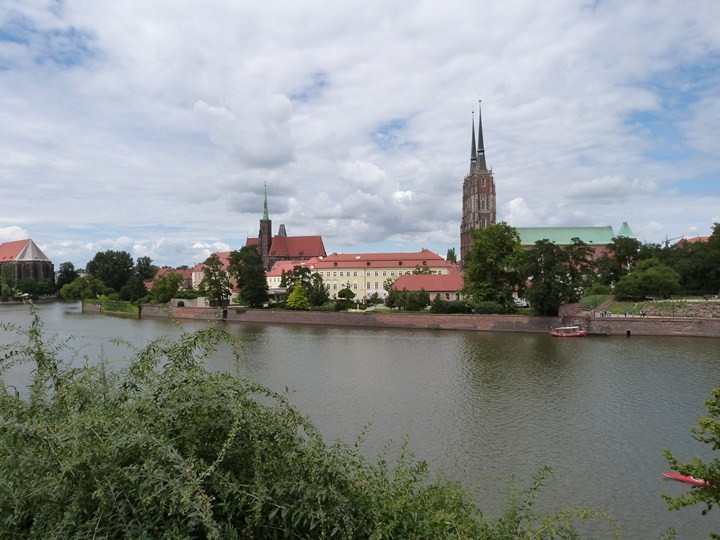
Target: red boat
[(568, 331), (685, 478)]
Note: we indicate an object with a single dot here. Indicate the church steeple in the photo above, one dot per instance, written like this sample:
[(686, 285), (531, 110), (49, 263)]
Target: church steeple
[(481, 145), (266, 215), (473, 148)]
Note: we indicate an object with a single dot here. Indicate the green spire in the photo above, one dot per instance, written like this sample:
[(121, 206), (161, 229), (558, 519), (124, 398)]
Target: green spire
[(265, 209)]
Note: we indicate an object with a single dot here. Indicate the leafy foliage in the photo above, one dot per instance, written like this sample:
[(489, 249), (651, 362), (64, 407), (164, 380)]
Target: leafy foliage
[(558, 274), (83, 287), (113, 268), (707, 430), (165, 288), (650, 278), (167, 449), (66, 274), (494, 266), (215, 283), (247, 267), (298, 298)]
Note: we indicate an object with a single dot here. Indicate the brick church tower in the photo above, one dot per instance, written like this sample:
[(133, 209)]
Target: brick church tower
[(265, 234), (478, 192)]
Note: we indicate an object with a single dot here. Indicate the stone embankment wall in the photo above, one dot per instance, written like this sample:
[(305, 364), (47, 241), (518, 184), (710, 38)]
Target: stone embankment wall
[(494, 323), (618, 326)]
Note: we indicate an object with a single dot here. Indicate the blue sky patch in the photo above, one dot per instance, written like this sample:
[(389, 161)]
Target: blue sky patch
[(390, 135), (318, 83)]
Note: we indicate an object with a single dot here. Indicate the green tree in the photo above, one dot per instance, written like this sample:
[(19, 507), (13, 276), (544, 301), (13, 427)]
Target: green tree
[(82, 288), (317, 292), (134, 290), (66, 274), (493, 268), (165, 288), (113, 268), (298, 298), (422, 271), (215, 284), (247, 268), (650, 278), (623, 253), (145, 268), (558, 274), (707, 430), (451, 255)]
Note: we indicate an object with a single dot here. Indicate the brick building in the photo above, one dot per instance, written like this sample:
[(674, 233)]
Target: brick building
[(23, 259)]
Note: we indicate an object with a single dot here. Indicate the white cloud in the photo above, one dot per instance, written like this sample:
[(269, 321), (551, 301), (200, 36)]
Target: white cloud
[(153, 126)]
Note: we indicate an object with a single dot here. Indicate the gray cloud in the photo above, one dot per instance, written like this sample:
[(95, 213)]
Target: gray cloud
[(155, 125)]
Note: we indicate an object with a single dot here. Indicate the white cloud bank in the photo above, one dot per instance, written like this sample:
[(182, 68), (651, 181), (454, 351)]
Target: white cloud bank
[(154, 126)]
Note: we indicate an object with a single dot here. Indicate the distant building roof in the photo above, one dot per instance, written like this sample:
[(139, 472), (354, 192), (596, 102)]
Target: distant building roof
[(564, 235), (424, 257), (21, 250), (432, 283)]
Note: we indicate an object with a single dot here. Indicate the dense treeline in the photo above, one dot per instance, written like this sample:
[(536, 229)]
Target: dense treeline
[(550, 275)]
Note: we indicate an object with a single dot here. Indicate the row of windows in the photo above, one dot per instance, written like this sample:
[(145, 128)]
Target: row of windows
[(354, 274)]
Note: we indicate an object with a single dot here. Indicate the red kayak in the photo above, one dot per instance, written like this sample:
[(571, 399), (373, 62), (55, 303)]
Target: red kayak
[(688, 479)]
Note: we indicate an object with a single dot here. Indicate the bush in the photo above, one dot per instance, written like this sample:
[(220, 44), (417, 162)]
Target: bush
[(166, 449), (489, 308), (440, 305)]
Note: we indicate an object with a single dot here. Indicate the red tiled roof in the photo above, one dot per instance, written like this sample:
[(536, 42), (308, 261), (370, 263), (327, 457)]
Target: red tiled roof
[(409, 261), (10, 250), (297, 246), (432, 283), (25, 250), (293, 246)]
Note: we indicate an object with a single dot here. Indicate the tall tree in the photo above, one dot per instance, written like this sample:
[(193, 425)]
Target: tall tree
[(623, 253), (317, 292), (451, 255), (66, 274), (558, 274), (113, 268), (145, 268), (247, 268), (493, 268), (215, 284)]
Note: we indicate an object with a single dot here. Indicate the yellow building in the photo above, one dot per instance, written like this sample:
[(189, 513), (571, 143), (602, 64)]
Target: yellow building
[(365, 273)]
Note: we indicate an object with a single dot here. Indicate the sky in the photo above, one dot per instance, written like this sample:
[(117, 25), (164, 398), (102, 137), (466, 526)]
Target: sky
[(156, 127)]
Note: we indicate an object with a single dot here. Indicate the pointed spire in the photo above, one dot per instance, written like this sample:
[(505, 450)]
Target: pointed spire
[(473, 148), (481, 145), (265, 210)]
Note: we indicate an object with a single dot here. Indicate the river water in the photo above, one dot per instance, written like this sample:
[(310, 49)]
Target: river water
[(480, 407)]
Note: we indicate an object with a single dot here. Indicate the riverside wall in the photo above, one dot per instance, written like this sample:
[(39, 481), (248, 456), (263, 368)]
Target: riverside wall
[(619, 326)]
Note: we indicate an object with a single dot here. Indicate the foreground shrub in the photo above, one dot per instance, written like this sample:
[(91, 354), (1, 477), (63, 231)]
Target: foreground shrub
[(165, 448)]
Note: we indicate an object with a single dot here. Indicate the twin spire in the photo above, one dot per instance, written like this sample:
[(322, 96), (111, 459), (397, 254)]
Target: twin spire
[(477, 153)]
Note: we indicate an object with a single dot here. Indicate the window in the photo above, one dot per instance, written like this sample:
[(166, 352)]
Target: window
[(355, 285), (354, 274), (482, 181), (376, 272), (392, 272), (483, 223), (340, 274), (334, 273), (384, 273)]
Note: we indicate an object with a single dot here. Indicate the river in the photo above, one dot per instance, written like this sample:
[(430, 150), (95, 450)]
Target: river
[(480, 407)]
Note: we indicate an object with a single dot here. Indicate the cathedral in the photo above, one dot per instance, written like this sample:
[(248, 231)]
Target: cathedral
[(478, 209)]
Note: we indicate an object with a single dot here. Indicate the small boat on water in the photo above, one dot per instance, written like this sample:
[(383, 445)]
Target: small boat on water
[(686, 478), (568, 331)]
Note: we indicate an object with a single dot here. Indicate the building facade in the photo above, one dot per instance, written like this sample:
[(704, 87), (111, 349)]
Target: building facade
[(479, 204), (23, 259), (366, 273)]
